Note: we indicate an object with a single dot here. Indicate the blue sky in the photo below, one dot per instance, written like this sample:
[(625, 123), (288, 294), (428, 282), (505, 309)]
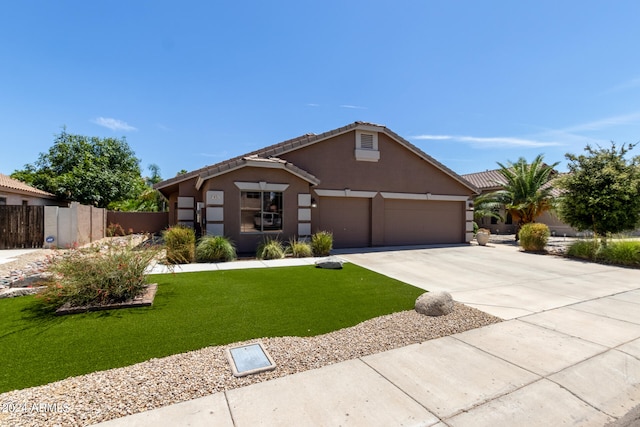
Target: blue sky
[(192, 83)]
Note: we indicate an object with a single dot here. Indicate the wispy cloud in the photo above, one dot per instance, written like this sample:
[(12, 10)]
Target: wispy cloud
[(312, 105), (490, 141), (354, 107), (605, 123), (218, 155), (629, 84), (113, 124)]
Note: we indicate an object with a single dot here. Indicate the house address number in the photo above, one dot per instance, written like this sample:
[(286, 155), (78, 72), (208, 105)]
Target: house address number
[(215, 197)]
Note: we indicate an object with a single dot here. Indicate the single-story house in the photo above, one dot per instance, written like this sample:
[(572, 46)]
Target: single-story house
[(14, 192), (362, 182), (492, 180)]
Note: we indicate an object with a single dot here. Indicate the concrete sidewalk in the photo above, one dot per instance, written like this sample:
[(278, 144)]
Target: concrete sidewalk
[(8, 255), (569, 354)]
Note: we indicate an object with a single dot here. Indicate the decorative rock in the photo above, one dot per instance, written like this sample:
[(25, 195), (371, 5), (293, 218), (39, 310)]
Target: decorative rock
[(332, 263), (18, 292), (434, 303)]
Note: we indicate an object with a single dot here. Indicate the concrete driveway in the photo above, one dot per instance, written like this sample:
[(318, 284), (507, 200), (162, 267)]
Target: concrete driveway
[(499, 279)]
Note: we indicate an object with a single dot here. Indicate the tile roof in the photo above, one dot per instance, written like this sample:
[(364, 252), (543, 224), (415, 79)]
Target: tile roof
[(494, 180), (225, 167), (13, 185), (490, 179), (302, 141)]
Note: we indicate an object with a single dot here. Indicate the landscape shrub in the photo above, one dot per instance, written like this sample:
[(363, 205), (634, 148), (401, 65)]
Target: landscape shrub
[(96, 275), (585, 249), (322, 243), (299, 249), (618, 252), (180, 243), (622, 252), (114, 230), (215, 249), (534, 236), (270, 249)]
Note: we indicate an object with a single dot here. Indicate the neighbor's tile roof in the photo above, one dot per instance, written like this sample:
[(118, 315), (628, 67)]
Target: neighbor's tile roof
[(9, 183), (304, 140), (494, 180), (486, 180)]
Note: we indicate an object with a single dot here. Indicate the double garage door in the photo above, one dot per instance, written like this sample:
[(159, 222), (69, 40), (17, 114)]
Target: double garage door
[(405, 222)]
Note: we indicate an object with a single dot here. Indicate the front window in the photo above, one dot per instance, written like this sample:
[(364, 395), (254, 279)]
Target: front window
[(260, 211)]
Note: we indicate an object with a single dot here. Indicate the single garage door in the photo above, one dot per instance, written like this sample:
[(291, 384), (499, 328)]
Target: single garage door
[(349, 219), (423, 222)]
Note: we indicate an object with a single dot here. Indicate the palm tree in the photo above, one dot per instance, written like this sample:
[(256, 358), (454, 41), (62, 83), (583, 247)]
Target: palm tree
[(486, 206), (525, 194)]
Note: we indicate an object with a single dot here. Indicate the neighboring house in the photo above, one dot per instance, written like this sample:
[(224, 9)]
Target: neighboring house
[(364, 183), (492, 180), (14, 192)]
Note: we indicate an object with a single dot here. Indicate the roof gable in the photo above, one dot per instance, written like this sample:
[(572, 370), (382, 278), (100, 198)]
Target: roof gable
[(256, 161), (273, 151)]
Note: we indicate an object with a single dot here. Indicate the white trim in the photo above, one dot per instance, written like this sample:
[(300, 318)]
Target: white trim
[(215, 214), (186, 202), (304, 214), (260, 186), (304, 199), (304, 229), (424, 196), (215, 229), (363, 155), (369, 128), (345, 193)]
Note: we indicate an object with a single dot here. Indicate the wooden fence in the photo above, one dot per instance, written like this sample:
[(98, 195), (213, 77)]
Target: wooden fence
[(21, 227)]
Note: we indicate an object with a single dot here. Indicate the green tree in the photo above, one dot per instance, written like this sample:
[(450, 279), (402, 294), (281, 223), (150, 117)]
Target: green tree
[(602, 190), (147, 198), (90, 170), (526, 194)]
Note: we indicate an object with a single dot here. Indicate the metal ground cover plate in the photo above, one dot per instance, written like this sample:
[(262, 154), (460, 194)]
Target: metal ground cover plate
[(249, 359)]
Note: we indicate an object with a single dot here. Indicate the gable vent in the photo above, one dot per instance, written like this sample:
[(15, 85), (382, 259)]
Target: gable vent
[(366, 141)]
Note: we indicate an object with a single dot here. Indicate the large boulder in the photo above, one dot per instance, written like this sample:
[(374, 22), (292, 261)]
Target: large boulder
[(332, 263), (434, 303)]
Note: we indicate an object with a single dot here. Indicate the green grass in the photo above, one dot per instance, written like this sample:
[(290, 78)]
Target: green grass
[(191, 311)]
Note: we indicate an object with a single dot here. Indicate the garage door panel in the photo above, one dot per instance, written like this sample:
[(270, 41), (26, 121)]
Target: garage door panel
[(415, 222), (349, 219)]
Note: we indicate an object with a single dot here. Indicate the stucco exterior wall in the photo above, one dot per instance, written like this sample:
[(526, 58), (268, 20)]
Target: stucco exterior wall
[(19, 199)]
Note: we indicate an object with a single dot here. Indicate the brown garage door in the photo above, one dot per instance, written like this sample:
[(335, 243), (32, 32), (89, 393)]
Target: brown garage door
[(349, 219), (417, 222)]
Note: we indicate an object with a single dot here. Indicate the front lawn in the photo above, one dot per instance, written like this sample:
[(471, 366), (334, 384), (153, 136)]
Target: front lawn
[(191, 311)]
